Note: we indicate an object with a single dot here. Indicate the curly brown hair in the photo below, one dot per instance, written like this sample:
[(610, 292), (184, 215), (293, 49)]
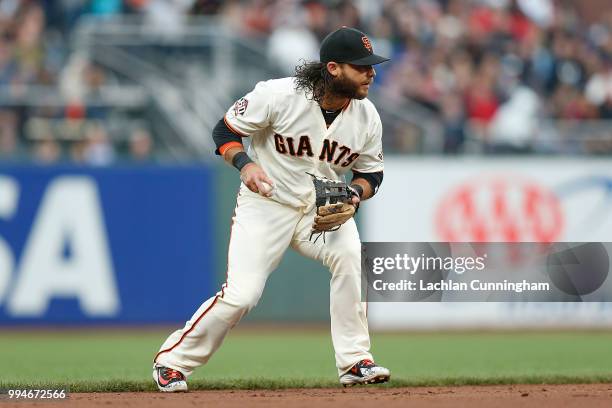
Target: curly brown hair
[(314, 78)]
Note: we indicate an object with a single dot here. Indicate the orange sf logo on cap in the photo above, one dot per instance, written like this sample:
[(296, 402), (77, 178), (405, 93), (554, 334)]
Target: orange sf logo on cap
[(366, 43)]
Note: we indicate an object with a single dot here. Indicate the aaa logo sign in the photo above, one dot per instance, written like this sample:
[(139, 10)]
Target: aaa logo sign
[(499, 209)]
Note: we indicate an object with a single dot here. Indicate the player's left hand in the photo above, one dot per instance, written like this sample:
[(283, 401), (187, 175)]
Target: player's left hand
[(332, 216)]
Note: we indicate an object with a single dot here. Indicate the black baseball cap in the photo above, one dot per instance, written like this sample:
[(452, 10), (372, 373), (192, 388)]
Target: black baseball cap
[(349, 45)]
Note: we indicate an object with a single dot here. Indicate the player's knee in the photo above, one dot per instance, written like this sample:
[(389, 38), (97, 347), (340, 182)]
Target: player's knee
[(248, 300), (348, 259), (243, 295)]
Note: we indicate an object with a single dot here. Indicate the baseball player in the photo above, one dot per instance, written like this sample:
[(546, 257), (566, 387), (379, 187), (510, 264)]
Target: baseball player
[(318, 122)]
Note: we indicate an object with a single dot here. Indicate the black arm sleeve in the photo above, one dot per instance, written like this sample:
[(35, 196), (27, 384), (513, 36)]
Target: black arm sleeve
[(374, 179), (222, 134)]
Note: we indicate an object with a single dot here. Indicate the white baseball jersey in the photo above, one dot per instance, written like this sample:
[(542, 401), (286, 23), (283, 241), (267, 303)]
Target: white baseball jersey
[(289, 137)]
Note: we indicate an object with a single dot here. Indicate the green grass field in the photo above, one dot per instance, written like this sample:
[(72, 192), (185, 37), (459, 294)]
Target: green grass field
[(268, 358)]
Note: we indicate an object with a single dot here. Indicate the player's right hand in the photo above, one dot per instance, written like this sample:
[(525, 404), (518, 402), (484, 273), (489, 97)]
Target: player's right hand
[(256, 180)]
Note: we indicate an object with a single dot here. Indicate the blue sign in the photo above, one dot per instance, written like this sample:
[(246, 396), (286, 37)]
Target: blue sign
[(105, 245)]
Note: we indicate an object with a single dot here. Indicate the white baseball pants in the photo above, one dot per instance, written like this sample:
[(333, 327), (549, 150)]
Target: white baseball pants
[(261, 231)]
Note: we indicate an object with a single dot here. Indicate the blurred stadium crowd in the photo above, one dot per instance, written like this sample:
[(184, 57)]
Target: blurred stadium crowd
[(491, 71)]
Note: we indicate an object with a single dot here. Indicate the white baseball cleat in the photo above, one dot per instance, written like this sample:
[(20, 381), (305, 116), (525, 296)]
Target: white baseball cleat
[(365, 372), (168, 379)]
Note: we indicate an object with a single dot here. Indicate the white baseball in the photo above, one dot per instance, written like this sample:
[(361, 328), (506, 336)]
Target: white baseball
[(267, 188)]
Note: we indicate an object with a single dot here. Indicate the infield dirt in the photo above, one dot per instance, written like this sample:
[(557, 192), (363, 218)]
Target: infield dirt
[(568, 396)]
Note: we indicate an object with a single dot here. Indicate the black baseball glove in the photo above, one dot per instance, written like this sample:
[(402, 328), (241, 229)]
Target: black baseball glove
[(334, 204)]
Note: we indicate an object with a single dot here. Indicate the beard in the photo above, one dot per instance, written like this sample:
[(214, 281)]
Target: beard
[(346, 88)]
